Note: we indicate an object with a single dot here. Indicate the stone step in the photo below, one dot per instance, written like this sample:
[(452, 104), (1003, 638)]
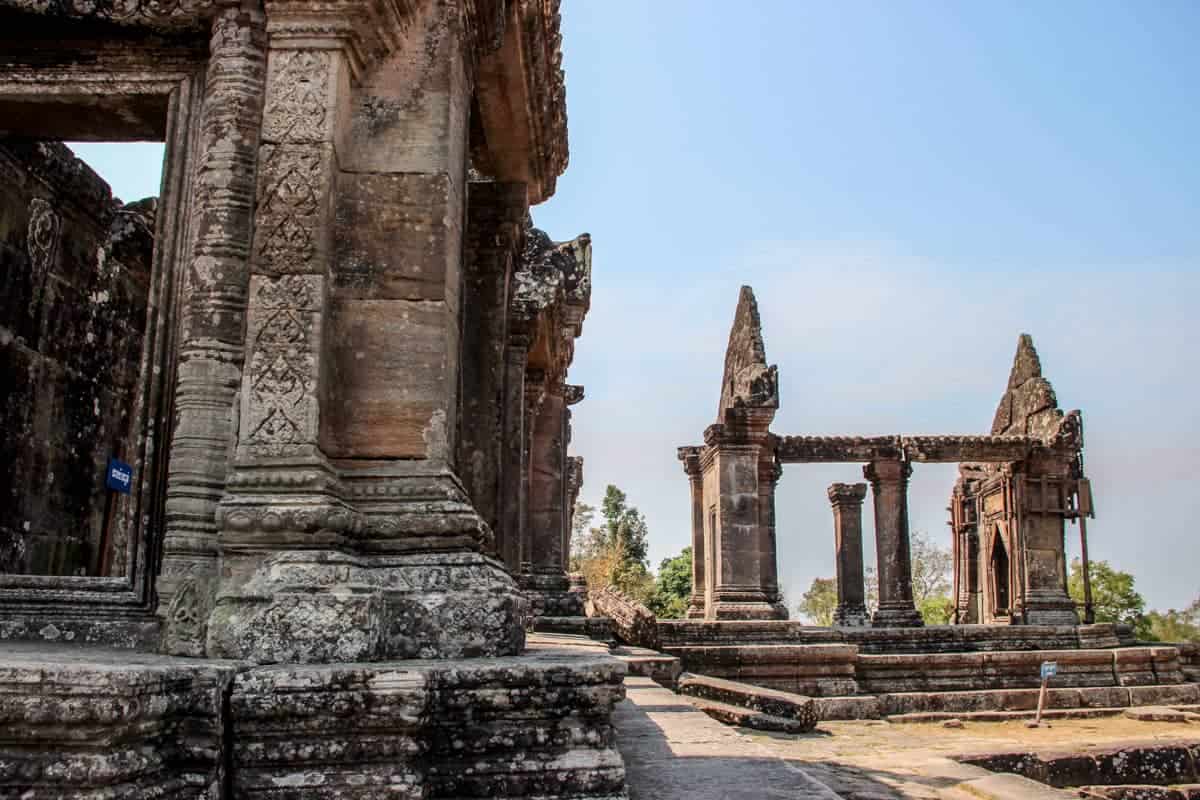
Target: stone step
[(659, 667), (1004, 716), (1007, 703), (770, 702), (747, 717), (598, 628)]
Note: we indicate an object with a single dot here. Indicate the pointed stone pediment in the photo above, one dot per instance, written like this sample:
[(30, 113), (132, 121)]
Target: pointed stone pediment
[(1029, 406), (748, 381)]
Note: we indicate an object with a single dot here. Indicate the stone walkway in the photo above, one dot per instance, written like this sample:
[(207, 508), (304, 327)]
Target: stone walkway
[(674, 752)]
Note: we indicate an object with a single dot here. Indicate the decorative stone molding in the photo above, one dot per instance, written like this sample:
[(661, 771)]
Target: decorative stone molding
[(166, 14)]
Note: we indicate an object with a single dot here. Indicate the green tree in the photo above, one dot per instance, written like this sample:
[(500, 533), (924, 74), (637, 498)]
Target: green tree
[(673, 586), (614, 552), (1175, 626), (820, 601), (1114, 597)]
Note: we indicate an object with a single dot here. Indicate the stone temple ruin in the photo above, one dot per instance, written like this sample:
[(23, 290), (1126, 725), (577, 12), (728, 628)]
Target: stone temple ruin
[(1018, 488), (334, 354), (288, 447)]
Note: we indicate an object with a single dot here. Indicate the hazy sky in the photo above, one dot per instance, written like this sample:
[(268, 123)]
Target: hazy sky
[(907, 186)]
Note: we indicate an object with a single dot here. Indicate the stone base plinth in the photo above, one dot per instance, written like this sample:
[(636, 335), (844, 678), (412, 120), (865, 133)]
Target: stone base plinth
[(329, 607), (554, 594), (847, 616), (102, 723), (1059, 612), (897, 616)]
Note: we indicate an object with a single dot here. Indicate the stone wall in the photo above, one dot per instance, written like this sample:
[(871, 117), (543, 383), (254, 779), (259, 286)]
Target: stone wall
[(74, 280)]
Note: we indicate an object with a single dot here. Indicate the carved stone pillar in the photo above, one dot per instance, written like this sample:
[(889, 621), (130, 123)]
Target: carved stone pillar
[(889, 488), (515, 468), (769, 473), (211, 348), (495, 213), (690, 456), (572, 473), (847, 500), (546, 491), (1041, 504), (743, 557), (346, 533), (535, 395)]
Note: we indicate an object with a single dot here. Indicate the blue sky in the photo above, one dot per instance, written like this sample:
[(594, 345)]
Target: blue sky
[(908, 186)]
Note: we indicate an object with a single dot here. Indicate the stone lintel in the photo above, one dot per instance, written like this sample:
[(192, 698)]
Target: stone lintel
[(930, 449)]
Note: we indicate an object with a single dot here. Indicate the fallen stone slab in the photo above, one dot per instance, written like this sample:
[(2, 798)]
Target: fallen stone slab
[(771, 702), (1160, 714), (746, 717)]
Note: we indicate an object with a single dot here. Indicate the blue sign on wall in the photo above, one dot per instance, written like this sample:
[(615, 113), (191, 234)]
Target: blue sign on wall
[(120, 476), (1049, 669)]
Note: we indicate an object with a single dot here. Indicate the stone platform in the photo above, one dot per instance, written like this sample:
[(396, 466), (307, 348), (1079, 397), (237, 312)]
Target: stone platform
[(82, 723), (863, 673)]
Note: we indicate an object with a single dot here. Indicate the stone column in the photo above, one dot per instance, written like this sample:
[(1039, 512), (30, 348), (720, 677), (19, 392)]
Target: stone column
[(690, 456), (546, 491), (535, 395), (889, 489), (769, 473), (847, 500), (495, 213), (515, 468), (1041, 596), (743, 556), (211, 350)]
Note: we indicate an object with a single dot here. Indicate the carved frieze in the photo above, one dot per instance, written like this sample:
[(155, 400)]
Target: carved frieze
[(281, 374), (45, 230), (151, 13)]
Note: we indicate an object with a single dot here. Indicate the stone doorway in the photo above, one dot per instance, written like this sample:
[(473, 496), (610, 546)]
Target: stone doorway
[(998, 567)]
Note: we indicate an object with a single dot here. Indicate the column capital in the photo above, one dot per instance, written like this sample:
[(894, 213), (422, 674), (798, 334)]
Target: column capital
[(887, 471), (847, 494), (690, 457)]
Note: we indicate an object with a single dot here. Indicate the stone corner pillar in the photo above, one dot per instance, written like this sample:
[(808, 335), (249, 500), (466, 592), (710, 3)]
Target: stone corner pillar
[(1039, 551), (690, 456), (743, 557), (889, 489), (847, 500)]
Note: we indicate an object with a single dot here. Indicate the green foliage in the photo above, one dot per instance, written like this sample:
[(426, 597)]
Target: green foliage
[(820, 601), (1175, 626), (1114, 597), (673, 587), (937, 609), (613, 553)]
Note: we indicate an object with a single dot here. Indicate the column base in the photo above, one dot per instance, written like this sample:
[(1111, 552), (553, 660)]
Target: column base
[(1053, 611), (553, 594), (746, 603), (743, 610), (325, 606), (900, 615), (695, 609), (851, 616)]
